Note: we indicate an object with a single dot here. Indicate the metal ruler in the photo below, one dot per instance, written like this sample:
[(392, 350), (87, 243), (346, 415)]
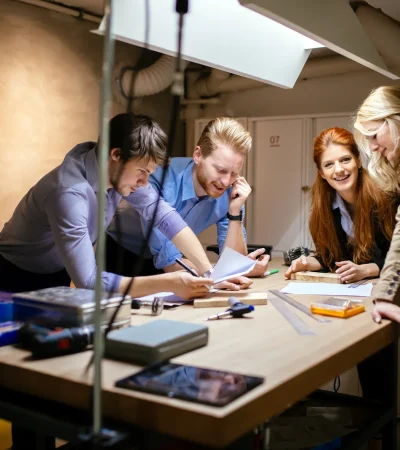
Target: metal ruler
[(298, 305), (300, 326)]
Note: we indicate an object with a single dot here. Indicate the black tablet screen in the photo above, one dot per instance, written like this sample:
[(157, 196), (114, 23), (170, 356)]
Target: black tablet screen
[(196, 384)]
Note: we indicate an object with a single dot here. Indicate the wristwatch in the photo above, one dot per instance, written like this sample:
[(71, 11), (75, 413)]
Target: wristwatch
[(239, 217)]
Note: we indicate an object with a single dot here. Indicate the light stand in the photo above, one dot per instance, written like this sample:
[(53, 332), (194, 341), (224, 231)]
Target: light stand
[(99, 436), (105, 102)]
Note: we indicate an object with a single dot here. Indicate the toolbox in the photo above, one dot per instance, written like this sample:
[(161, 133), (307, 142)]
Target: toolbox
[(68, 307)]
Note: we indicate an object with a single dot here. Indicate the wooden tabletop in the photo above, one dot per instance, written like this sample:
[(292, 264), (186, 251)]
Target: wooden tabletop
[(263, 345)]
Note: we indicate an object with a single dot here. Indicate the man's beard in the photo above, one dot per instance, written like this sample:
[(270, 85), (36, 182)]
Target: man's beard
[(115, 177), (206, 186), (114, 183)]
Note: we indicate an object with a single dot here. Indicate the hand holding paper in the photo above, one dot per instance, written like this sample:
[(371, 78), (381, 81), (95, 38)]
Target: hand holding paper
[(231, 264)]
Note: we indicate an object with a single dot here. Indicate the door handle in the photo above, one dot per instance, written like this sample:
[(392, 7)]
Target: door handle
[(305, 188)]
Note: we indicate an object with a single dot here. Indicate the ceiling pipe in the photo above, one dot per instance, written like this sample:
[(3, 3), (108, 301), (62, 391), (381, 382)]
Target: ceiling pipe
[(63, 10), (315, 68)]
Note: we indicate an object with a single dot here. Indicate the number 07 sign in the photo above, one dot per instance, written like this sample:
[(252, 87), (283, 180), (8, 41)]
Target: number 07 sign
[(274, 141)]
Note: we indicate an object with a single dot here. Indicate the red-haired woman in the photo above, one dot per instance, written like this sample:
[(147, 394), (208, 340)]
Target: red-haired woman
[(351, 223), (352, 220)]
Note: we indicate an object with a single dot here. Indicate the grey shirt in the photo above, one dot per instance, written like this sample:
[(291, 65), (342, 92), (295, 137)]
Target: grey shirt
[(54, 225)]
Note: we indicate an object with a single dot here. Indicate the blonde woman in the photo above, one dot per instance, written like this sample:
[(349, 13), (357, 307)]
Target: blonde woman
[(377, 133)]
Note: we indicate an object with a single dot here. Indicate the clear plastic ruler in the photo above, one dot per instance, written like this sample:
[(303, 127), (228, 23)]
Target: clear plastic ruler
[(300, 326), (299, 306)]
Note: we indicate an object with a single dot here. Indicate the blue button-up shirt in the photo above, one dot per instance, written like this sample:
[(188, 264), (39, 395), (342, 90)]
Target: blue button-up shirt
[(55, 224), (178, 190)]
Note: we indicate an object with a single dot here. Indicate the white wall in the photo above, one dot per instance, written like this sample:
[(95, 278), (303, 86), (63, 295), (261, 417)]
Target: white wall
[(339, 93)]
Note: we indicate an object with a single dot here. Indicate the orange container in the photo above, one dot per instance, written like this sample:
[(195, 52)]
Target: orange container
[(337, 307)]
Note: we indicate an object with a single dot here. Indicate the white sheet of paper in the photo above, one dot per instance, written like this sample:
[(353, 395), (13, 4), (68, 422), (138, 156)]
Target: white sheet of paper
[(231, 264), (364, 290), (166, 296)]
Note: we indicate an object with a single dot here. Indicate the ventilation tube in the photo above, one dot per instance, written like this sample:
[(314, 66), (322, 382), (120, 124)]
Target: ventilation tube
[(148, 81)]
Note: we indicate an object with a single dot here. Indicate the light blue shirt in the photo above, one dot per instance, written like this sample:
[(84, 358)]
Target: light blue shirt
[(345, 218), (178, 190), (55, 224)]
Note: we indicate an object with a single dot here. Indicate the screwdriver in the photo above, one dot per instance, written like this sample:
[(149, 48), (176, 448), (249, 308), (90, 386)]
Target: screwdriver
[(237, 309)]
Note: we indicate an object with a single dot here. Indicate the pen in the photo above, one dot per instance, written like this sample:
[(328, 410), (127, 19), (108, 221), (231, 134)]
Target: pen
[(270, 272), (181, 263)]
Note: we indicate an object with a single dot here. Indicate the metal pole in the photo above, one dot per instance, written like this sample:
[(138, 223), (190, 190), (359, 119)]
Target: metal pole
[(105, 101)]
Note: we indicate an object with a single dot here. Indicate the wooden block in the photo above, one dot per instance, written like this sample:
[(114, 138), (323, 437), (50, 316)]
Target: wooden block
[(220, 299), (316, 277)]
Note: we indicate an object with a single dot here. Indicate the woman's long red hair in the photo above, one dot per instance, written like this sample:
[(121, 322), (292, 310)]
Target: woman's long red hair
[(372, 204)]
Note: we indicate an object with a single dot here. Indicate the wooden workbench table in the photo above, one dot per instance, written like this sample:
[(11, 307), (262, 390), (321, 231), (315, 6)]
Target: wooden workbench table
[(263, 345)]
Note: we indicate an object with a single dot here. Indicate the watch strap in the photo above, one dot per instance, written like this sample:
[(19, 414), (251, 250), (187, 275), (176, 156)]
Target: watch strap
[(239, 217)]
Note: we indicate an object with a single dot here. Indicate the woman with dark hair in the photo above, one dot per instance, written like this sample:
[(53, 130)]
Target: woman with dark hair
[(352, 219)]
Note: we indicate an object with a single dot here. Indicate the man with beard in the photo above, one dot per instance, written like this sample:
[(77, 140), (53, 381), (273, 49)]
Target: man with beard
[(206, 190)]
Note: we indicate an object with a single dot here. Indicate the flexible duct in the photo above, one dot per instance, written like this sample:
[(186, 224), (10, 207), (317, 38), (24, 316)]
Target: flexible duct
[(150, 80), (205, 85)]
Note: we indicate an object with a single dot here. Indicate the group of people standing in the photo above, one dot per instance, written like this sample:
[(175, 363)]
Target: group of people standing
[(51, 238)]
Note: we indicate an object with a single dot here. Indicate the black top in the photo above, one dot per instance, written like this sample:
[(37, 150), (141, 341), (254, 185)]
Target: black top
[(377, 253)]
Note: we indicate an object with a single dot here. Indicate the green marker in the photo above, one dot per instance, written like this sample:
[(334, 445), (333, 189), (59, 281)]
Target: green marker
[(270, 272)]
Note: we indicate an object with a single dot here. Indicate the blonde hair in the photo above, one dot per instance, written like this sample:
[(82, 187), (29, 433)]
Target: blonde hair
[(225, 131), (382, 104)]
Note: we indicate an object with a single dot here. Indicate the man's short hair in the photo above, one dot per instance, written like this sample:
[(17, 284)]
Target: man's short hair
[(138, 136), (225, 131)]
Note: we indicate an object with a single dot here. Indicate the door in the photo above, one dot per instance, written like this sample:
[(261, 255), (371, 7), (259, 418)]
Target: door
[(275, 173)]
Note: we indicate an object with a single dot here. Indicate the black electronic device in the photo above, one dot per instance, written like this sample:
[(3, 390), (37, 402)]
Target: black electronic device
[(191, 383), (294, 253), (44, 341), (250, 248)]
